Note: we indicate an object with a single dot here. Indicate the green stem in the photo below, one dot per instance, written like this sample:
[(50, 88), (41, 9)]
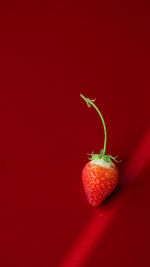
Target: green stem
[(89, 103)]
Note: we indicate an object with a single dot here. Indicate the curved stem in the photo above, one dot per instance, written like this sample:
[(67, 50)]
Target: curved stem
[(89, 103)]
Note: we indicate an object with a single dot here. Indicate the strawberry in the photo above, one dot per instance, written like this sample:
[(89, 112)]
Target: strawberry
[(100, 176), (99, 180)]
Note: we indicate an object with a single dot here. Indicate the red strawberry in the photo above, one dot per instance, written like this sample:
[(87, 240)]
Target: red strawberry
[(100, 176), (99, 180)]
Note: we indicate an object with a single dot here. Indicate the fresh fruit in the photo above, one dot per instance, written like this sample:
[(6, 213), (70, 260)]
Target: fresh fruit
[(100, 176)]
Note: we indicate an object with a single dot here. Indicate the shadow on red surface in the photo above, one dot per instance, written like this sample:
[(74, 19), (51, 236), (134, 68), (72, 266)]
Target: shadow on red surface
[(104, 216)]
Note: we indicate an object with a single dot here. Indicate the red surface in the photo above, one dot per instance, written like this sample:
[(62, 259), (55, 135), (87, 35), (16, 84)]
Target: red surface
[(49, 53), (94, 235)]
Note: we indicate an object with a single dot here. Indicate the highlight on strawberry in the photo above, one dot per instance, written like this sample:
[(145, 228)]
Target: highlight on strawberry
[(100, 175)]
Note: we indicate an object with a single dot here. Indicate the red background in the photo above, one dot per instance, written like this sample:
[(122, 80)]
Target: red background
[(50, 52)]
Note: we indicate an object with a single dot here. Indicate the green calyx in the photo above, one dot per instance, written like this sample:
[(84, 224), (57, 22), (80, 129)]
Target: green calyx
[(102, 154)]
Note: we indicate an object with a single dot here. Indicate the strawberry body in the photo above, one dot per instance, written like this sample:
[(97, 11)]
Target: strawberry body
[(99, 180)]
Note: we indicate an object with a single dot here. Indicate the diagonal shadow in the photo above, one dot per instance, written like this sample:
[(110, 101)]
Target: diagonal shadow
[(103, 216)]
